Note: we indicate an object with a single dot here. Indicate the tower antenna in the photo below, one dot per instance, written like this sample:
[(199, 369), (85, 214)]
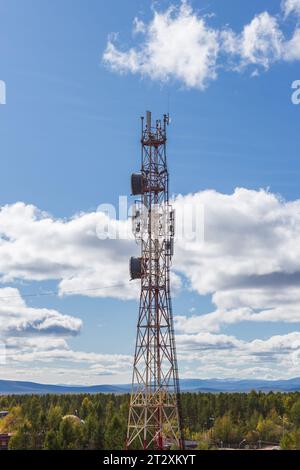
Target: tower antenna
[(154, 420)]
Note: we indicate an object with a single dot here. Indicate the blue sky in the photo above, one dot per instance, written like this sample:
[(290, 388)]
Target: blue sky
[(69, 139)]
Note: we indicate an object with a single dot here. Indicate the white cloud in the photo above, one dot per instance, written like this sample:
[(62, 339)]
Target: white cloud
[(16, 318), (223, 356), (70, 374), (291, 6), (292, 47), (34, 336), (138, 26), (275, 345), (206, 341), (251, 240), (36, 351), (180, 44), (249, 263), (35, 246), (260, 43)]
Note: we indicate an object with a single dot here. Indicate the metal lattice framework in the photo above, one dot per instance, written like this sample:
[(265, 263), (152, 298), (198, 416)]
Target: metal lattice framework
[(154, 415)]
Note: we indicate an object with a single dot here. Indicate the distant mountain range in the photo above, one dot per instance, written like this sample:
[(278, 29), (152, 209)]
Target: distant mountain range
[(187, 385)]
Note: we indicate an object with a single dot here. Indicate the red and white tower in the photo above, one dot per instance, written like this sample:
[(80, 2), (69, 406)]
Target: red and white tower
[(154, 420)]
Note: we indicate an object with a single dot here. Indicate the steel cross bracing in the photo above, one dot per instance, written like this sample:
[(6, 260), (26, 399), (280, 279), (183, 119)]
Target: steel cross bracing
[(154, 420)]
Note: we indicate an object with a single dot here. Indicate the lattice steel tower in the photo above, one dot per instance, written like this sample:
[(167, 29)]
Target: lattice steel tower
[(154, 420)]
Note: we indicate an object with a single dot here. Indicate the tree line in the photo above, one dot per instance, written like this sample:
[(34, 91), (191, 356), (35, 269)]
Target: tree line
[(238, 420)]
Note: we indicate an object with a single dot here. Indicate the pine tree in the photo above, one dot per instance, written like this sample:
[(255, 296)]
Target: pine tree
[(114, 437), (70, 434), (54, 417), (295, 413), (22, 439), (52, 441)]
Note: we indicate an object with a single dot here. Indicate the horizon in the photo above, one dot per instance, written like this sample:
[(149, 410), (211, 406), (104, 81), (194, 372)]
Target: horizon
[(129, 384)]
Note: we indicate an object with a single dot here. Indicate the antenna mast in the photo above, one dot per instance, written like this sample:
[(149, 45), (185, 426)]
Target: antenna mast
[(154, 420)]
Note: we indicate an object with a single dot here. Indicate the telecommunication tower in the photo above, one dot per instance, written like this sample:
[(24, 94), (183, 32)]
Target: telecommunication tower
[(154, 420)]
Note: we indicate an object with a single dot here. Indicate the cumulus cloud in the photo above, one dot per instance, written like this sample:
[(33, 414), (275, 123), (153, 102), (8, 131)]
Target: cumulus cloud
[(273, 346), (205, 341), (16, 318), (215, 355), (33, 336), (260, 43), (291, 6), (292, 47), (179, 44), (248, 263), (251, 240), (35, 246)]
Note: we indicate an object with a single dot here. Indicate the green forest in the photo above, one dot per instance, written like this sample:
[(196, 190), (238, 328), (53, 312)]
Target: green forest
[(214, 421)]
